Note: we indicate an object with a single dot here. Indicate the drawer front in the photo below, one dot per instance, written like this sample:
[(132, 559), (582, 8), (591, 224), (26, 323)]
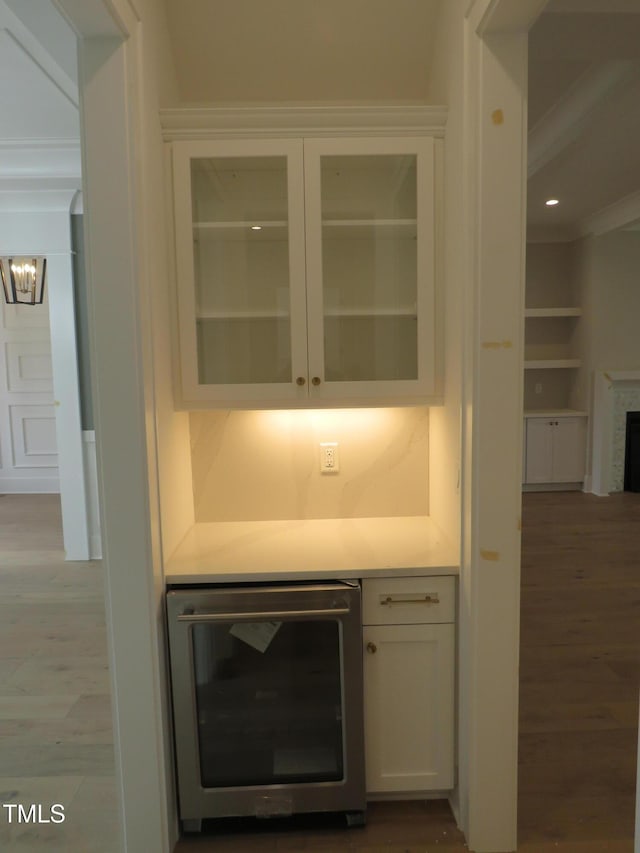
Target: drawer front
[(408, 601)]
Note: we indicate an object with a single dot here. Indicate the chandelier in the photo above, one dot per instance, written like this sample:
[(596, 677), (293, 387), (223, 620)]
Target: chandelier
[(23, 280)]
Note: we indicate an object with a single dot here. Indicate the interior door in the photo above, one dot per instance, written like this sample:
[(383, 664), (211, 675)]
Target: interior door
[(28, 449)]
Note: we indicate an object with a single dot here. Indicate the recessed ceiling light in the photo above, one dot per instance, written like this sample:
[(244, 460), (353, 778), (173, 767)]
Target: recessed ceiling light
[(551, 202), (256, 227)]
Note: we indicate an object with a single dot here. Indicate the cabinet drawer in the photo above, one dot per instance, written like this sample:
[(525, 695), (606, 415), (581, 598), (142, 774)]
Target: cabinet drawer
[(408, 601)]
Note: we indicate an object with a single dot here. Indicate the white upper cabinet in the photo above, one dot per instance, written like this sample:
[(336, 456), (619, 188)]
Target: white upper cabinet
[(305, 272)]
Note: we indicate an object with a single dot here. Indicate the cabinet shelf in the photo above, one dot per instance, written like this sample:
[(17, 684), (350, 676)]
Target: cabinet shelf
[(268, 314), (337, 313), (553, 312), (243, 230), (371, 312), (350, 229), (551, 363)]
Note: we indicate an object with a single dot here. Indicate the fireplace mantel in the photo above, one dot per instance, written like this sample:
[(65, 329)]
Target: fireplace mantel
[(606, 382)]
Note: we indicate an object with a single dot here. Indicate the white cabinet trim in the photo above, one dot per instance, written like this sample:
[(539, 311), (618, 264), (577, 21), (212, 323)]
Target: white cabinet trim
[(209, 123)]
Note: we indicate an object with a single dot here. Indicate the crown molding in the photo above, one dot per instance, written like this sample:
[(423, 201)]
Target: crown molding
[(616, 216), (40, 158), (571, 115), (291, 120), (551, 234), (36, 200)]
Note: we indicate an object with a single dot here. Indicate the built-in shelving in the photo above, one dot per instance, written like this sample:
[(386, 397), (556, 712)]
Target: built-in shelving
[(554, 431)]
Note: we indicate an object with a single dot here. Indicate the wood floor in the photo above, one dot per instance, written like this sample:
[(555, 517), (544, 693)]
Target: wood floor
[(579, 667), (56, 742), (580, 676)]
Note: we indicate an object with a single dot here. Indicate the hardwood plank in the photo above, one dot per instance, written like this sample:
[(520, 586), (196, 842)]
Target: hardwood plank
[(580, 672)]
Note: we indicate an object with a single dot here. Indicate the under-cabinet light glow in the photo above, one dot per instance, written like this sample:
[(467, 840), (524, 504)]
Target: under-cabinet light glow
[(551, 202), (334, 422)]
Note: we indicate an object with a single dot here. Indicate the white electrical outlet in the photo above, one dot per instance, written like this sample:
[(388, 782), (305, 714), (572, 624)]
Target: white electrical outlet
[(329, 462)]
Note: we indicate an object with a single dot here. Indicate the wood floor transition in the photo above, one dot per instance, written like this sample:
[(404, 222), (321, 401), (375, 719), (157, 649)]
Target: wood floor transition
[(580, 676)]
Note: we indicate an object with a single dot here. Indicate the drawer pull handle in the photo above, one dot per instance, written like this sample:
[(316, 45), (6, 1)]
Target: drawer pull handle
[(430, 598), (372, 648)]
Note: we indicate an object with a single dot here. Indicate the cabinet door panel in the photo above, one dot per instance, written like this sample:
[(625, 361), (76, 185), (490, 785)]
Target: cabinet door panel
[(409, 707), (569, 447), (370, 279), (240, 269), (539, 468)]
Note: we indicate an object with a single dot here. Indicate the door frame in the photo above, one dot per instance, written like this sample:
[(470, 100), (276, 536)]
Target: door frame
[(41, 227), (116, 129)]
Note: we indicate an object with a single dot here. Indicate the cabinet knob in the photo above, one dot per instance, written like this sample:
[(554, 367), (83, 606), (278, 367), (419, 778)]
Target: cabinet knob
[(300, 380), (372, 648), (316, 380)]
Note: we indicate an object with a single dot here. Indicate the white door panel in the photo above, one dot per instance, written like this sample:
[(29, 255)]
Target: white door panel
[(28, 448)]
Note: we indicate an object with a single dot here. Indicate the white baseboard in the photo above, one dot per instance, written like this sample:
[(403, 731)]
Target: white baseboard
[(552, 487), (29, 486)]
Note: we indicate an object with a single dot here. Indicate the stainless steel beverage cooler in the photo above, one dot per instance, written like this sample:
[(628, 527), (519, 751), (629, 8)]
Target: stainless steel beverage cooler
[(267, 700)]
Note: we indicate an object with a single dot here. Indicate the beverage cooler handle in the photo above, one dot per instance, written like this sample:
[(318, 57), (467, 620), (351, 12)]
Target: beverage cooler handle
[(268, 615)]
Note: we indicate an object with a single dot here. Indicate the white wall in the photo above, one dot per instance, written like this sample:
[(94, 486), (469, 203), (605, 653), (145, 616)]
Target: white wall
[(334, 51), (607, 275), (446, 87), (609, 278)]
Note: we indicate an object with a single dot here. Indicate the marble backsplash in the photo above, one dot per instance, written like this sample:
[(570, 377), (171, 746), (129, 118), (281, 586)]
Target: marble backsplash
[(260, 465)]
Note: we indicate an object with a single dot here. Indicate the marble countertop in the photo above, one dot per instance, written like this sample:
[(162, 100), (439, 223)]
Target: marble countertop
[(238, 551)]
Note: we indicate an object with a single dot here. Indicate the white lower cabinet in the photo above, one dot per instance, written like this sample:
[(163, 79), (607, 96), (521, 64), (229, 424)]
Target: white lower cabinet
[(409, 666), (555, 449)]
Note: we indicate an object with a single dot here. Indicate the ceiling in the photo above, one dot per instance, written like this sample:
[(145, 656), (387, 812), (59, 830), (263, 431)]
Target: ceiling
[(584, 118), (584, 85), (38, 95)]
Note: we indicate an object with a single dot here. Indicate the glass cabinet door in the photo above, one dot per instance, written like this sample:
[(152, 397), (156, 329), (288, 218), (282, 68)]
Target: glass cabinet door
[(370, 265), (241, 267)]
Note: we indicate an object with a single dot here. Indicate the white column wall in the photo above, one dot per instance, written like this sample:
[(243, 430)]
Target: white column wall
[(495, 140), (125, 58), (40, 225), (125, 437)]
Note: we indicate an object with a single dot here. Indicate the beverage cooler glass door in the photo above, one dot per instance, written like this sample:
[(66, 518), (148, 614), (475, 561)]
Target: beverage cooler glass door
[(267, 690)]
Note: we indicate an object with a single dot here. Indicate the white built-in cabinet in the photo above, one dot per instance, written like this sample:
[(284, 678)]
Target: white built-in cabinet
[(409, 666), (554, 428), (305, 271), (555, 449)]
